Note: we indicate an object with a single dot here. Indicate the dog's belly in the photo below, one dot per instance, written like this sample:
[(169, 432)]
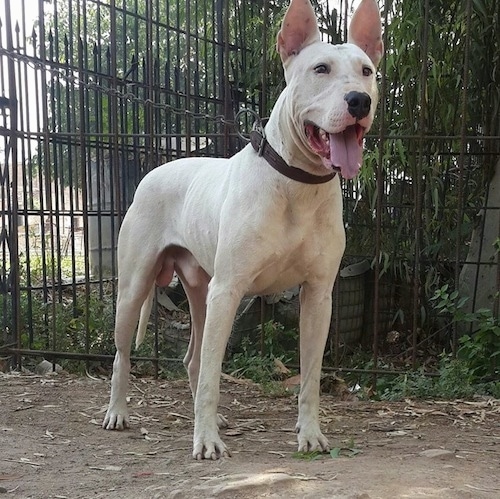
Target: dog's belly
[(275, 277)]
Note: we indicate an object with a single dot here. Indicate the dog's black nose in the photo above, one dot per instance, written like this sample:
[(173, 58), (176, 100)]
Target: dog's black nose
[(358, 104)]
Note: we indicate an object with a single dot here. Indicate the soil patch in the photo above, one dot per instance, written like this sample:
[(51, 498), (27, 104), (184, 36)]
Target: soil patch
[(52, 445)]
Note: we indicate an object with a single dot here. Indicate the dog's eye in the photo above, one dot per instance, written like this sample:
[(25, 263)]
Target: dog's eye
[(367, 71), (322, 69)]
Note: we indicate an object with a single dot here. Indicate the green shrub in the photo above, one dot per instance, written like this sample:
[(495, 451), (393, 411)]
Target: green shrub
[(455, 380), (259, 366), (479, 350)]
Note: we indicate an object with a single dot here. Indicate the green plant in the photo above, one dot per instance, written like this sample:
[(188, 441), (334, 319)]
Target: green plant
[(276, 341), (257, 362), (347, 450), (81, 320), (308, 456), (479, 350), (252, 366), (414, 384), (455, 380), (70, 323), (275, 389), (490, 388), (449, 302)]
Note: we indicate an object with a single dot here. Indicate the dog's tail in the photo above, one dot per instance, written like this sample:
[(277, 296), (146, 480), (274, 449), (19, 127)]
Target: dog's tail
[(144, 318)]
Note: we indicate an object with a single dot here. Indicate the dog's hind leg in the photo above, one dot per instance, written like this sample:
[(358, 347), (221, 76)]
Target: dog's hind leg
[(197, 308), (128, 307), (135, 292), (195, 283), (127, 312)]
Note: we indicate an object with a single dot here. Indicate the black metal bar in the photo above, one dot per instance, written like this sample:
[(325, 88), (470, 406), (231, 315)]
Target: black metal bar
[(265, 15), (379, 204), (50, 355), (374, 372), (14, 277), (83, 98), (418, 180), (217, 118), (188, 78), (461, 159)]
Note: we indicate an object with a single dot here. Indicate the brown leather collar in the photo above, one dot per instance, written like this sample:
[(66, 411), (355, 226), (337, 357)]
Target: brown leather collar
[(264, 149)]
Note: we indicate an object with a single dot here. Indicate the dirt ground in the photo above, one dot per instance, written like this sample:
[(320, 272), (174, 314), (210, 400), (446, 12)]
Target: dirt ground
[(52, 445)]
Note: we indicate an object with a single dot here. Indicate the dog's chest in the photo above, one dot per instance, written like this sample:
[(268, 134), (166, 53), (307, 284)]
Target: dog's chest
[(295, 245)]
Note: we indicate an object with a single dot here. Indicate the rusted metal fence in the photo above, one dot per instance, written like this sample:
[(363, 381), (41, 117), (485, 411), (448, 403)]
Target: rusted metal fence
[(95, 93)]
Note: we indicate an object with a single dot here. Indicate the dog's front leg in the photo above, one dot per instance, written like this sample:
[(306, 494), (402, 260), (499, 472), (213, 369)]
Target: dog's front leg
[(222, 303), (315, 316)]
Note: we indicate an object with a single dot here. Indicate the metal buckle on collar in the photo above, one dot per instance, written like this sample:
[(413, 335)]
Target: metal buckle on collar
[(257, 123), (263, 140)]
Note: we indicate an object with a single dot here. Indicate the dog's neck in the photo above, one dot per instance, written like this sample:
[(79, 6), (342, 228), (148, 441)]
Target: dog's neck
[(288, 140), (264, 149)]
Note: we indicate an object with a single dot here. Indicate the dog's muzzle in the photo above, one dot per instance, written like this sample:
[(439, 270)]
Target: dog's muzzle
[(340, 151)]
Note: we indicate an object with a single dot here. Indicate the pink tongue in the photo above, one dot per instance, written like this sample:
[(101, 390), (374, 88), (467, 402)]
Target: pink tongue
[(346, 152)]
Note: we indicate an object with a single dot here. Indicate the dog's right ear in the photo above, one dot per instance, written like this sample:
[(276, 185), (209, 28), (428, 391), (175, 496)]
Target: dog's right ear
[(298, 30)]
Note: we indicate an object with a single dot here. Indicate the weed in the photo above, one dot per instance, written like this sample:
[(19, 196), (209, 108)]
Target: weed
[(414, 385), (252, 366), (250, 363), (64, 325), (275, 389), (479, 350), (455, 380), (337, 452), (490, 388), (81, 319), (308, 456), (278, 341), (347, 450)]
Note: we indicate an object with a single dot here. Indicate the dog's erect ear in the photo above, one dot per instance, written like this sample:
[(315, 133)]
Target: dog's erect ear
[(299, 29), (365, 30)]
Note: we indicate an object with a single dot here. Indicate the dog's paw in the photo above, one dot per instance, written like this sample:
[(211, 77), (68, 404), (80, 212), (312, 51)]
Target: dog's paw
[(209, 448), (311, 439), (116, 420)]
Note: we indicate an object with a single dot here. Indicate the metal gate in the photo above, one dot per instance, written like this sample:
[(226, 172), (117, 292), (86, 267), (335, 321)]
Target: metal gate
[(94, 94)]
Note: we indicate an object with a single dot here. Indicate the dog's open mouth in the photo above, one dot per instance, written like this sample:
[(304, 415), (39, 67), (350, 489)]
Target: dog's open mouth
[(340, 151)]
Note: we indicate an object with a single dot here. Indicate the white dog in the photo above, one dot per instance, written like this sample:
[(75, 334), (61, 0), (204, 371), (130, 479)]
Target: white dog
[(265, 220)]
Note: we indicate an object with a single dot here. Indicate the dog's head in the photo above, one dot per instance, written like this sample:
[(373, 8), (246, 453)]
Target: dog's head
[(332, 88)]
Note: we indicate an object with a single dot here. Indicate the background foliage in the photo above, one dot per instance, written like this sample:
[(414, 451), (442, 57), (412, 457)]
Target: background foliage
[(126, 87)]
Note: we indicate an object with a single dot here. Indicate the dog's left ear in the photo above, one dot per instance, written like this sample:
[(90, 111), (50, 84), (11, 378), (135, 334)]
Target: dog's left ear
[(365, 30), (299, 29)]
